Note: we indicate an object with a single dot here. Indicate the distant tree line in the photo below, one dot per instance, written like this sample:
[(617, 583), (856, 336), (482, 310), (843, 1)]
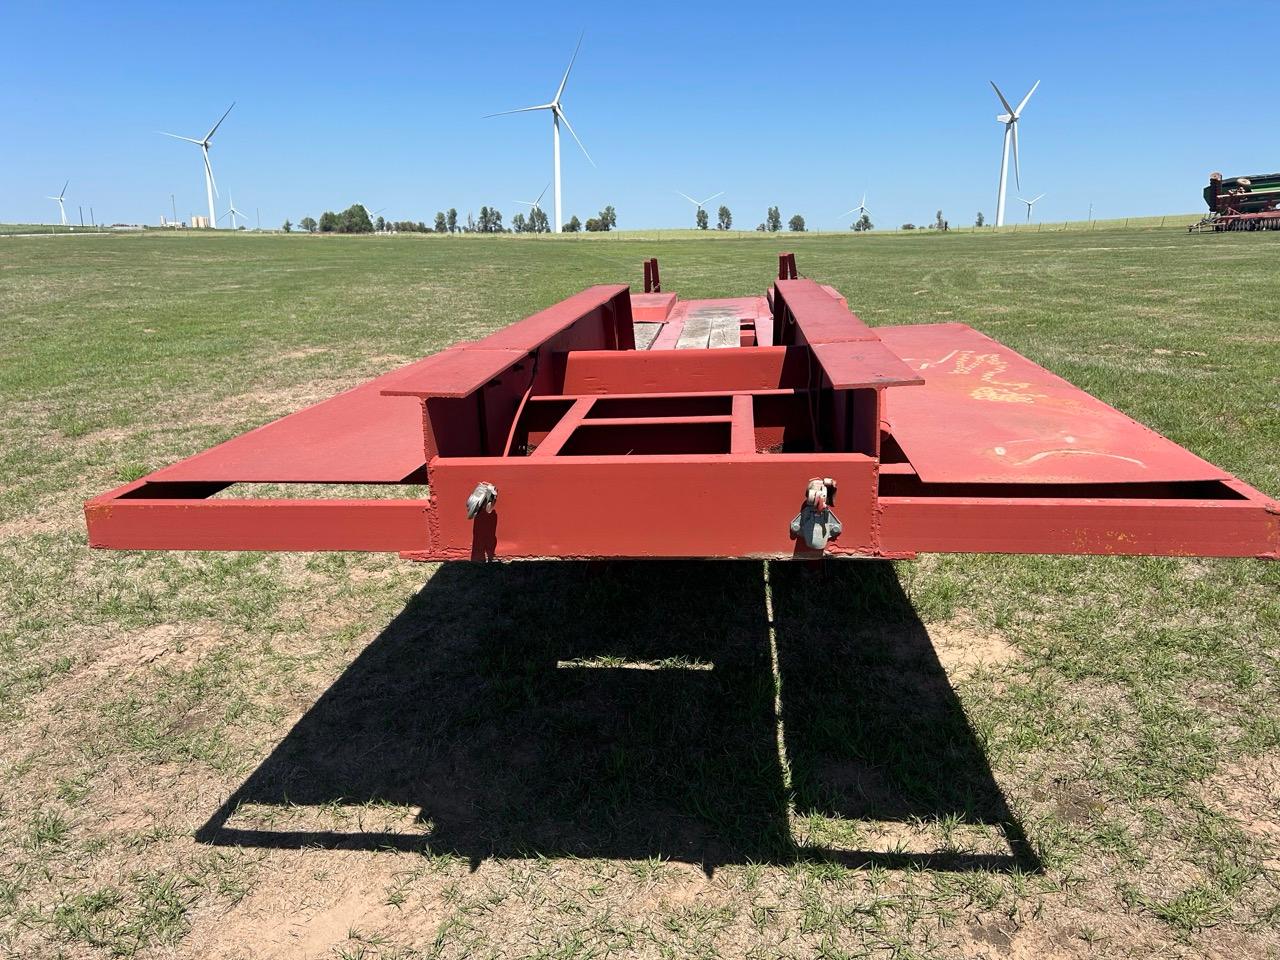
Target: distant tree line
[(356, 219)]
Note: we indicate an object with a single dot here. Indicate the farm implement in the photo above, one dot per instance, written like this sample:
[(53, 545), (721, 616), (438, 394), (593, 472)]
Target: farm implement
[(620, 424), (1241, 203)]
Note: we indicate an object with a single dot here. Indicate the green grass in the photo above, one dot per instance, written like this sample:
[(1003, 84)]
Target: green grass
[(960, 753)]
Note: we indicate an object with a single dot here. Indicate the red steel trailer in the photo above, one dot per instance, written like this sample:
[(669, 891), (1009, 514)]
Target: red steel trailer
[(619, 424)]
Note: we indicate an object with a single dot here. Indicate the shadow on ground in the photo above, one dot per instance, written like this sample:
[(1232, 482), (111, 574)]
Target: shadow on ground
[(468, 706)]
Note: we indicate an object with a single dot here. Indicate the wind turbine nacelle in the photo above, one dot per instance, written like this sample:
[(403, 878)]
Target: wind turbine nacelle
[(1004, 118)]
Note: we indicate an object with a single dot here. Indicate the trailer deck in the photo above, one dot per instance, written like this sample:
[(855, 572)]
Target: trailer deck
[(619, 424)]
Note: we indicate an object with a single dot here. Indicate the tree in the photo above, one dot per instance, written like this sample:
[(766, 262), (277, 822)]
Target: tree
[(796, 224), (287, 227), (980, 220), (724, 219), (863, 224), (452, 220), (442, 225), (701, 219), (574, 225), (308, 224), (355, 219), (328, 222), (380, 224), (938, 222), (517, 223), (773, 220), (908, 226), (537, 222), (490, 220), (607, 220)]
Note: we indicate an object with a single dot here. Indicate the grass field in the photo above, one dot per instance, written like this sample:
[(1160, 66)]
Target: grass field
[(218, 755)]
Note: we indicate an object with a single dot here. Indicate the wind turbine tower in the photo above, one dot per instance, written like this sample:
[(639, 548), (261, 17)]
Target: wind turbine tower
[(1010, 121), (860, 209), (1031, 203), (557, 115), (535, 204), (210, 187), (62, 210), (232, 212)]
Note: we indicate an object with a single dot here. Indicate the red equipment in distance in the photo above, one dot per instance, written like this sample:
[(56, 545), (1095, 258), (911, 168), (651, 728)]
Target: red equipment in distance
[(771, 426)]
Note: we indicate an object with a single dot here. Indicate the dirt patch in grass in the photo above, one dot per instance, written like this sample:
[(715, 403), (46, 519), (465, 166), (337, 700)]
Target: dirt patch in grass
[(177, 647), (1248, 791), (963, 649)]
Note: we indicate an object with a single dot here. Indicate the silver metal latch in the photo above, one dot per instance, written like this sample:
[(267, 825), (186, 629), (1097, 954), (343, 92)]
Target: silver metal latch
[(483, 497), (817, 522)]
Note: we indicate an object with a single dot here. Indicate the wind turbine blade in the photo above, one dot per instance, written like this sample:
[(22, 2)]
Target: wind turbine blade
[(209, 167), (1026, 98), (1008, 108), (565, 79), (712, 197), (219, 123), (64, 190), (503, 113), (689, 198), (1038, 199), (542, 194), (1017, 170), (847, 212), (575, 136), (176, 137)]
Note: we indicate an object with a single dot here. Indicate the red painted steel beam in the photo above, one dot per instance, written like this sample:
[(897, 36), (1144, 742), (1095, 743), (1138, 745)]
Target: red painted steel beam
[(1130, 527), (684, 371), (120, 521), (735, 505)]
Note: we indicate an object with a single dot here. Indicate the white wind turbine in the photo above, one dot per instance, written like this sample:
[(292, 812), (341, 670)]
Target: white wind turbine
[(232, 212), (860, 209), (210, 187), (557, 115), (1010, 121), (700, 203), (62, 210), (535, 204), (1031, 203)]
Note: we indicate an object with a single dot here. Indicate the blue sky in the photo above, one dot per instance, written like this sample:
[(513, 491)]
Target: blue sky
[(802, 106)]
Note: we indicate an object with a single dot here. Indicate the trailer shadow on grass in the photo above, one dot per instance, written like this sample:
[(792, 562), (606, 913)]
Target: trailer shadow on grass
[(627, 711)]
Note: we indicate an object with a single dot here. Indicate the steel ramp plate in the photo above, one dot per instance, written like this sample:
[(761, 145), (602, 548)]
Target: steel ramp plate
[(359, 436), (988, 415)]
